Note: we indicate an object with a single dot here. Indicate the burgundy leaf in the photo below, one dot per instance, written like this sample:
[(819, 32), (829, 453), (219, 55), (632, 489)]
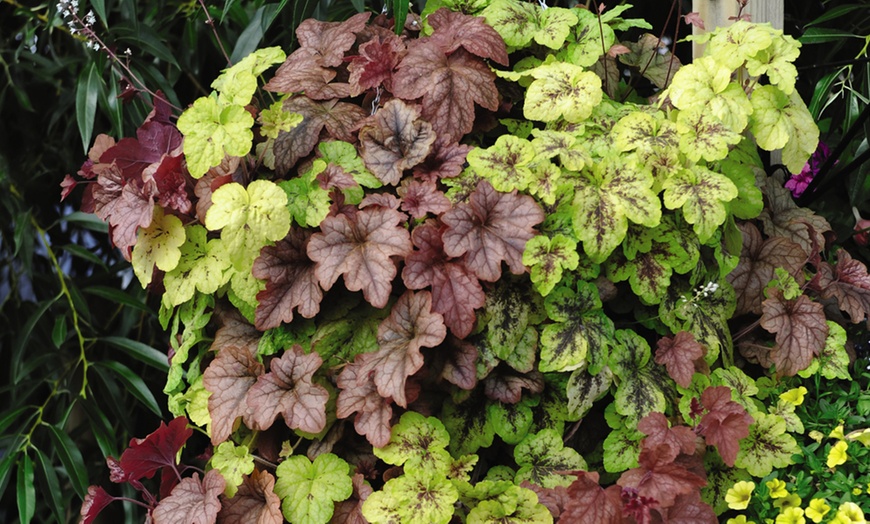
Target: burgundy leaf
[(410, 326), (678, 355), (350, 510), (359, 395), (448, 85), (384, 200), (658, 479), (95, 501), (290, 281), (800, 329), (330, 40), (228, 378), (288, 390), (445, 161), (849, 283), (360, 249), (395, 139), (375, 63), (725, 423), (192, 501), (153, 141), (158, 450), (336, 177), (254, 503), (493, 227), (456, 291), (421, 198), (589, 503), (680, 439), (169, 177), (687, 509), (454, 30)]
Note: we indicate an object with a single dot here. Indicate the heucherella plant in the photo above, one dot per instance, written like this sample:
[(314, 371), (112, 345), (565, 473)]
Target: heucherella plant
[(452, 273)]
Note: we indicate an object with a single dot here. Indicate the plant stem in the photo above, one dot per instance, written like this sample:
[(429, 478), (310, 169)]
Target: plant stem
[(210, 22)]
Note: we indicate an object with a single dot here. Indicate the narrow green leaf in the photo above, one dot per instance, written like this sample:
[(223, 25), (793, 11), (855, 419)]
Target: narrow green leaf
[(25, 492), (141, 352), (820, 94), (135, 385), (116, 295), (58, 332), (9, 417), (50, 486), (836, 12), (84, 254), (228, 4), (87, 91), (88, 221), (71, 458), (100, 8), (254, 32), (400, 13), (6, 469), (821, 35), (359, 5), (102, 429), (24, 337), (147, 39)]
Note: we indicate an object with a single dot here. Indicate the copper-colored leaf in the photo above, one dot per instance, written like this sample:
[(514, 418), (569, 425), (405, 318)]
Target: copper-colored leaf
[(800, 329), (395, 139), (350, 511), (288, 390), (448, 85), (783, 218), (330, 40), (290, 281), (303, 72), (687, 509), (228, 378), (679, 439), (506, 385), (234, 330), (659, 479), (410, 326), (254, 503), (360, 249), (491, 228), (192, 501), (678, 355), (359, 395), (758, 260), (456, 292), (849, 283), (724, 423), (421, 198), (445, 161), (454, 30), (375, 63), (590, 504)]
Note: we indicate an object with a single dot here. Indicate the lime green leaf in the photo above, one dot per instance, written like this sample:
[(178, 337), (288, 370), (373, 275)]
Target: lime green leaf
[(466, 422), (338, 341), (542, 455), (547, 258), (511, 422), (748, 203), (157, 245), (833, 361), (308, 201), (605, 199), (592, 39), (275, 119), (211, 131), (549, 143), (519, 23), (344, 155), (204, 267), (644, 132), (775, 61), (702, 135), (697, 83), (238, 83), (511, 313), (515, 505), (505, 164), (580, 326), (734, 44), (768, 446), (640, 383), (584, 389), (418, 443), (233, 462), (622, 449), (783, 121), (248, 218), (561, 90), (418, 497), (702, 194), (309, 490), (196, 397)]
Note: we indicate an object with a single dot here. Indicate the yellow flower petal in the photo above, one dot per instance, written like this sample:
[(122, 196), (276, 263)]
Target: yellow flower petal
[(838, 455)]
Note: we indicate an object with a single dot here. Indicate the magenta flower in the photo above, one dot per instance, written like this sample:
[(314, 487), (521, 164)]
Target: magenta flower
[(798, 183)]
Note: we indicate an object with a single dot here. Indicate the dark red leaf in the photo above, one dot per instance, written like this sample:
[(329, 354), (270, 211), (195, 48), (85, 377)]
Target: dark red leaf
[(95, 501), (290, 281), (454, 30), (229, 377), (153, 141), (491, 228), (725, 423), (445, 161), (254, 503), (169, 177), (678, 355), (158, 450), (849, 283), (192, 501), (375, 63)]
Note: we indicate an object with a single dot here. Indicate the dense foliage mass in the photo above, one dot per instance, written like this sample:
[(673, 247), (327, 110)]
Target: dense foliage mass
[(540, 252)]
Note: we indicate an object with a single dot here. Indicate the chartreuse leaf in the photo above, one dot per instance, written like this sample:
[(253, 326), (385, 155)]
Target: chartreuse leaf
[(621, 448), (733, 45), (249, 218), (583, 389), (506, 164), (833, 361), (309, 490), (644, 132), (468, 424), (345, 156), (237, 84), (274, 120), (417, 442), (775, 61), (748, 203), (511, 422), (702, 135), (519, 23), (606, 198), (307, 201), (338, 341), (204, 267), (196, 397), (768, 446), (579, 326), (641, 385), (743, 387), (515, 505), (703, 312), (731, 107), (194, 315), (702, 195), (696, 84), (551, 411), (542, 455), (549, 143), (417, 497), (211, 130), (783, 121), (561, 90), (157, 245), (547, 258), (233, 462), (592, 39), (511, 312)]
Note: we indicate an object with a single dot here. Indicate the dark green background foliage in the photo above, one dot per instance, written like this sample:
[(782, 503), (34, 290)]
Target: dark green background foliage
[(69, 307)]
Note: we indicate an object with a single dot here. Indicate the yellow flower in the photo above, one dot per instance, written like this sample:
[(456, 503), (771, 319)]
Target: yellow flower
[(789, 501), (739, 519), (837, 433), (838, 455), (739, 494), (776, 488), (817, 510), (795, 396), (856, 491), (816, 435), (791, 516), (849, 513)]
